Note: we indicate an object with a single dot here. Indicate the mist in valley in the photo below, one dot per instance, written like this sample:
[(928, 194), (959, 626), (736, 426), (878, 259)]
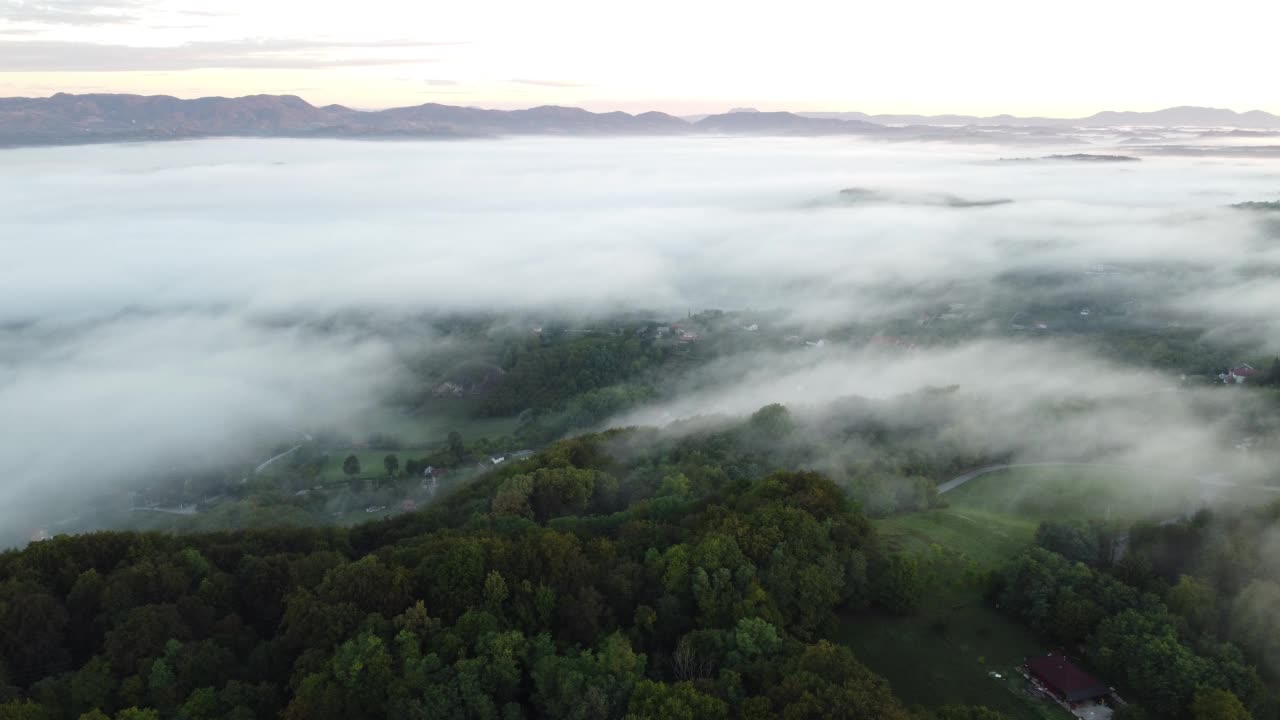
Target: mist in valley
[(178, 304)]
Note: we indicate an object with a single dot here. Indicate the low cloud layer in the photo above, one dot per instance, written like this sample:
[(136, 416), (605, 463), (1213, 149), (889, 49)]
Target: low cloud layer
[(142, 284), (122, 398), (549, 83), (515, 224), (1034, 401)]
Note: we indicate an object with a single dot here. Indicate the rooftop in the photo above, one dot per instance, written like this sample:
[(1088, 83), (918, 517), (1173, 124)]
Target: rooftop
[(1065, 679)]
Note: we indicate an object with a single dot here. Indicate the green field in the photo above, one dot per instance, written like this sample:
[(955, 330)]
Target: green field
[(950, 654), (954, 648), (433, 424), (951, 650), (1079, 492), (371, 466), (418, 433), (987, 538)]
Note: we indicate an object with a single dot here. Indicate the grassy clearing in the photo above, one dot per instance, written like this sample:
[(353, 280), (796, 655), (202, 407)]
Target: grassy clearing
[(952, 650), (1074, 493), (989, 539), (371, 466), (432, 425), (418, 433), (947, 655)]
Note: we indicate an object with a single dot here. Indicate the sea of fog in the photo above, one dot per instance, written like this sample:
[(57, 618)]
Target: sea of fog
[(267, 225), (143, 285)]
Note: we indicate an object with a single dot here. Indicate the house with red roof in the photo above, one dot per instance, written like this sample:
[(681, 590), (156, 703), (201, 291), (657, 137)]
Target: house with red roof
[(1244, 372), (1065, 680), (1239, 374)]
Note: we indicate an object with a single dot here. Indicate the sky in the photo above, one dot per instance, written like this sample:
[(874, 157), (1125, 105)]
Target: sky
[(924, 56)]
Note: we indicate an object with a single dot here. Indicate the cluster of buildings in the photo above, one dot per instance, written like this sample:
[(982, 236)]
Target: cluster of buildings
[(684, 334), (678, 331)]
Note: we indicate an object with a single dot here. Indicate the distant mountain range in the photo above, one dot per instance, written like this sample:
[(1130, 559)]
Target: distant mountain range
[(1186, 116), (67, 118), (75, 119)]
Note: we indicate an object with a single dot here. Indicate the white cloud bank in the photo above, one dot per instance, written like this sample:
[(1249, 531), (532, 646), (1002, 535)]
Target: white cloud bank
[(274, 225), (135, 277)]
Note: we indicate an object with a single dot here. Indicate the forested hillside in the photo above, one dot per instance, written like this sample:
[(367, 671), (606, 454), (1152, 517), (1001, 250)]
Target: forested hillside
[(597, 579)]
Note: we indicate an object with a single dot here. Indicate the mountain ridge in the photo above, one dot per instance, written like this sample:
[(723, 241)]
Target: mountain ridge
[(1180, 116), (66, 118)]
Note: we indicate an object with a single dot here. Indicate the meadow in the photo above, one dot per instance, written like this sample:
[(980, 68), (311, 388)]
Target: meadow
[(957, 647)]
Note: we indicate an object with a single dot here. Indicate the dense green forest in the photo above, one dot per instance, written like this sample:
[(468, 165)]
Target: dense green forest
[(591, 581), (545, 375), (629, 574)]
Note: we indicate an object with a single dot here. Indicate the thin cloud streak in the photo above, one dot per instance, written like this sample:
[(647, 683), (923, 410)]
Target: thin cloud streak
[(60, 56), (550, 83), (72, 12)]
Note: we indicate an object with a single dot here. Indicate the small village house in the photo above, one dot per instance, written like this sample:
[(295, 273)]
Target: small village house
[(1065, 680), (1239, 374)]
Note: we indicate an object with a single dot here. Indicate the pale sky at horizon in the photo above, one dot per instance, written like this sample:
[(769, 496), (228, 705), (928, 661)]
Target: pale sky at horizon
[(927, 56)]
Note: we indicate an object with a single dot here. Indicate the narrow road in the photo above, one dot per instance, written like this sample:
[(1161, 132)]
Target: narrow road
[(270, 460), (267, 463)]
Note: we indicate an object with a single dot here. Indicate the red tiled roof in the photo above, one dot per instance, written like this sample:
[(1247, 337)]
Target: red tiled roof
[(1065, 679)]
